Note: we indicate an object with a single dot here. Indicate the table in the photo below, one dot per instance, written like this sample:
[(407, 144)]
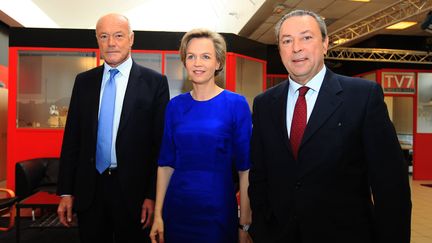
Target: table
[(42, 200)]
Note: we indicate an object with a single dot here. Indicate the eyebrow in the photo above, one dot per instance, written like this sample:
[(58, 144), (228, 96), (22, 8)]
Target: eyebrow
[(208, 53), (301, 33), (108, 33)]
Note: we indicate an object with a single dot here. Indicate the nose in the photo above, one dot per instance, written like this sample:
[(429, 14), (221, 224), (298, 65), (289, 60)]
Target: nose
[(296, 46), (111, 41), (197, 61)]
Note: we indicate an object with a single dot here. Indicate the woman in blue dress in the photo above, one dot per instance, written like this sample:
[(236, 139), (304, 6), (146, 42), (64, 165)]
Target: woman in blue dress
[(207, 133)]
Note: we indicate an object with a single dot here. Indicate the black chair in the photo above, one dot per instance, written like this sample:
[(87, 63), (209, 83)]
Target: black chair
[(7, 206), (35, 175)]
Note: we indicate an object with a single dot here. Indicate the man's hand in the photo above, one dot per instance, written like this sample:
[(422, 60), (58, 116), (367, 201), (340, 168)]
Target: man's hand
[(147, 213), (64, 210)]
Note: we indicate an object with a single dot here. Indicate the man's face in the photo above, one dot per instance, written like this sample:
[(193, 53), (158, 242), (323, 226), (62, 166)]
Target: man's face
[(302, 48), (114, 39)]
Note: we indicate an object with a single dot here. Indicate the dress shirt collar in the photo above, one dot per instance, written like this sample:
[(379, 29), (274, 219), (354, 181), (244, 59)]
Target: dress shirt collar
[(313, 84), (123, 68)]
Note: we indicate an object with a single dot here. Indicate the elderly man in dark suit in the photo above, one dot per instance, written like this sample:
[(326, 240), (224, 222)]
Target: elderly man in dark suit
[(111, 142), (326, 162)]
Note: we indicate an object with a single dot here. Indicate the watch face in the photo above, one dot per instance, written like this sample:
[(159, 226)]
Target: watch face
[(244, 227)]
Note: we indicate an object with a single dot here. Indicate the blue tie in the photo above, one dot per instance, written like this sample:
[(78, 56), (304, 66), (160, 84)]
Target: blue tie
[(105, 124)]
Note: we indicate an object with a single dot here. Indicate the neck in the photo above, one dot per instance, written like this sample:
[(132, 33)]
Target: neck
[(204, 92)]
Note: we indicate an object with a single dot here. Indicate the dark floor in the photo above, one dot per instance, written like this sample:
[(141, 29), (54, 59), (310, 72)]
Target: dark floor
[(39, 235)]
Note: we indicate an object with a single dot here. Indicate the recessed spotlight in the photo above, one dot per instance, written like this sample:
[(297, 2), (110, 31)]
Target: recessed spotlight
[(340, 41), (401, 25), (279, 9)]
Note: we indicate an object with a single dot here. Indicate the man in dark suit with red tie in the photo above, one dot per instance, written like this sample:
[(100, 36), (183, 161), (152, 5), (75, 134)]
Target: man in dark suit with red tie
[(111, 142), (326, 162)]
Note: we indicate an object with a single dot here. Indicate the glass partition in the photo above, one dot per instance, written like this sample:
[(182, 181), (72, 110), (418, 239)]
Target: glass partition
[(424, 103), (44, 83), (176, 75), (149, 60), (249, 78)]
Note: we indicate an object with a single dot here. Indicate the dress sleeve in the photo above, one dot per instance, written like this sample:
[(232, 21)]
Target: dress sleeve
[(242, 134), (167, 152)]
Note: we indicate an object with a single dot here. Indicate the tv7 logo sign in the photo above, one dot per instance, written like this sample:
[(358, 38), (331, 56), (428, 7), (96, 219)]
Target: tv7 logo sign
[(398, 83)]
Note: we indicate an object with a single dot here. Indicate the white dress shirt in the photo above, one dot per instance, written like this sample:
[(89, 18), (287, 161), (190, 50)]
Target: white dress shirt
[(311, 96), (121, 80)]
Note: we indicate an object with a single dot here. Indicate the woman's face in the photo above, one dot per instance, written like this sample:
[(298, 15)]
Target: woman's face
[(201, 62)]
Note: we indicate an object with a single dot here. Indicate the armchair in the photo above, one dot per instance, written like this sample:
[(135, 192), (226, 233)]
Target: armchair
[(7, 206), (36, 175)]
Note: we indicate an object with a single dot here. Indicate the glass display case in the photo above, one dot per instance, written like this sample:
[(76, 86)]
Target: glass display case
[(249, 77), (149, 60), (44, 85), (176, 74), (424, 103)]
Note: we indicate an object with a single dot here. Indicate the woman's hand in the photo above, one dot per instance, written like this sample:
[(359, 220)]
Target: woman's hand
[(157, 231), (244, 237)]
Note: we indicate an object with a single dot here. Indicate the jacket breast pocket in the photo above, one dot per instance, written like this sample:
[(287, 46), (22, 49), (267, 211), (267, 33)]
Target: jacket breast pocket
[(332, 133)]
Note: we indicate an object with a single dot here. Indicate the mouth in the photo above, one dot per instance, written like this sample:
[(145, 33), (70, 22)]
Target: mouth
[(198, 72), (297, 60), (111, 52)]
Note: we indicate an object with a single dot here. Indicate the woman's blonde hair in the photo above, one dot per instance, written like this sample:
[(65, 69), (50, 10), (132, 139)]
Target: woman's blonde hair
[(216, 38)]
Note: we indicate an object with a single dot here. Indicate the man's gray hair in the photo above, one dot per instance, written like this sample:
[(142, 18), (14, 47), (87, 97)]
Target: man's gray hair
[(300, 12)]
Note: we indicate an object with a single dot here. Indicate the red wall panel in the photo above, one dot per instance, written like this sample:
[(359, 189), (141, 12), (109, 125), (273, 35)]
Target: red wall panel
[(422, 157)]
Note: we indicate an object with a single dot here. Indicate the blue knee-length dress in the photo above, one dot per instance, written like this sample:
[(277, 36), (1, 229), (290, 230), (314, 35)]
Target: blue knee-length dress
[(203, 141)]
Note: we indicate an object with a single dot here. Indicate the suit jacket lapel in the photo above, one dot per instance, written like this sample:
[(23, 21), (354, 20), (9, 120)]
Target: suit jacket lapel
[(327, 102), (130, 96), (279, 111), (95, 99)]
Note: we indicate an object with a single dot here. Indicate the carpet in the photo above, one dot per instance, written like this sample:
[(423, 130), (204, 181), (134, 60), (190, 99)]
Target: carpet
[(38, 235)]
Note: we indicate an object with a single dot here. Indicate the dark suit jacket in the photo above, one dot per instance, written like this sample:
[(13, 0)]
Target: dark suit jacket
[(138, 137), (349, 152)]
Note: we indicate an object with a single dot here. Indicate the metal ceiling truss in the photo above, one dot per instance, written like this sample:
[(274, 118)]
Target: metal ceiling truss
[(379, 55), (394, 13)]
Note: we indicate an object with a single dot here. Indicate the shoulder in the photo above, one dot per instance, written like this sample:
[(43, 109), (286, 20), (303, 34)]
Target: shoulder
[(234, 97), (275, 92), (146, 71), (236, 104), (355, 88), (179, 101), (362, 87), (91, 76), (97, 71), (354, 82)]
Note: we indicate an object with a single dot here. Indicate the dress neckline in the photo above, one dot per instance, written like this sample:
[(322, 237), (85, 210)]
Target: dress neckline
[(203, 101)]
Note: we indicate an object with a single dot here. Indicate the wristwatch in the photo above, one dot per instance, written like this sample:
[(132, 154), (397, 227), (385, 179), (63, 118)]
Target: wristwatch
[(244, 227)]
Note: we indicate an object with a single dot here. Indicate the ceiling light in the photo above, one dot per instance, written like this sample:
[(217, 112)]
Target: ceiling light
[(401, 25), (279, 9), (340, 41)]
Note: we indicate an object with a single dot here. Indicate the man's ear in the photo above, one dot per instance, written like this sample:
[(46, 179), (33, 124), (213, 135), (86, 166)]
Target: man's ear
[(325, 45), (132, 35)]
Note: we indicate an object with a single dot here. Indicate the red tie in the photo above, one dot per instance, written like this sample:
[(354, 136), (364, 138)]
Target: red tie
[(298, 123)]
